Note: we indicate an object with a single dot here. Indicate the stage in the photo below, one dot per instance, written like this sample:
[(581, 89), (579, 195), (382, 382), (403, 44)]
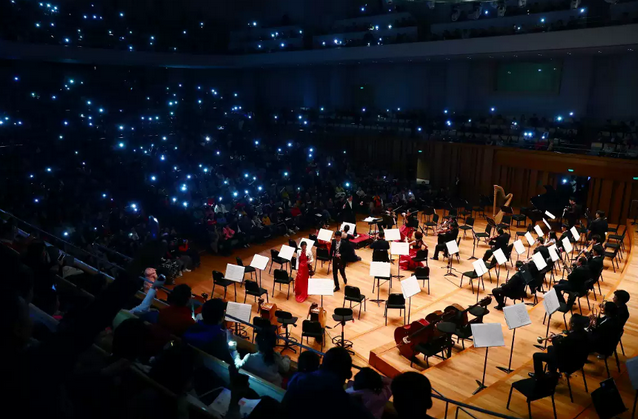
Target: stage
[(455, 377)]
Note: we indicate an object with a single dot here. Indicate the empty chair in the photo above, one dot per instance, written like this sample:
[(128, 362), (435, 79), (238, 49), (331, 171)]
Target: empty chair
[(396, 302), (520, 217), (247, 269), (353, 294), (613, 256), (323, 255), (312, 329), (421, 256), (469, 225), (219, 280), (292, 243), (281, 277), (535, 389), (253, 288), (484, 235), (286, 319), (423, 274), (342, 315), (274, 258), (432, 224)]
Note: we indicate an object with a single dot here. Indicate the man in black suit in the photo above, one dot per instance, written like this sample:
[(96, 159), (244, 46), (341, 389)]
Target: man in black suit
[(340, 251), (381, 243), (599, 225), (621, 298), (595, 263), (451, 235), (348, 214), (575, 280), (606, 329), (542, 249), (499, 242), (515, 287), (574, 345)]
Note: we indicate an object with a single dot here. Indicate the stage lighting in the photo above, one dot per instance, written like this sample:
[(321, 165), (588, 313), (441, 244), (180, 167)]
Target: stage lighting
[(285, 173), (571, 114), (153, 178)]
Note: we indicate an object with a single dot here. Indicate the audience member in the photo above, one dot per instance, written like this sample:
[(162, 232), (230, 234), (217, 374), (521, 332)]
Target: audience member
[(412, 395), (373, 390), (177, 317), (266, 363), (208, 334)]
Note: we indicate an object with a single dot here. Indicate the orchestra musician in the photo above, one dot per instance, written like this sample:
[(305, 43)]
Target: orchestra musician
[(406, 262), (565, 234), (348, 213), (573, 344), (575, 280), (621, 298), (410, 223), (340, 252), (606, 328), (595, 261), (599, 225), (381, 243), (514, 288), (499, 242), (572, 212), (352, 257), (449, 233)]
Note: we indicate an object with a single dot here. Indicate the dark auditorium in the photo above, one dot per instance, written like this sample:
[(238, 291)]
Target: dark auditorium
[(228, 209)]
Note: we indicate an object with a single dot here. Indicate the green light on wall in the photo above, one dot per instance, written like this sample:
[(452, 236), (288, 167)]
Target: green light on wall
[(635, 177), (570, 170)]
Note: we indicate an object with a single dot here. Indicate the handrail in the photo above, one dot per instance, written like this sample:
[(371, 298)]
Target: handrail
[(436, 394)]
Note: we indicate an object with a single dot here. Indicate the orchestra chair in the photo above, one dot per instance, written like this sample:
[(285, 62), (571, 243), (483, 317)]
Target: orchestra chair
[(379, 255), (285, 319), (313, 329), (313, 237), (472, 276), (218, 279), (422, 256), (274, 258), (588, 285), (260, 323), (535, 389), (323, 255), (506, 222), (422, 273), (341, 316), (353, 294), (521, 234), (293, 264), (469, 225), (508, 253), (484, 235), (608, 350), (440, 344), (253, 288), (565, 308), (457, 254), (613, 257), (292, 243), (281, 277), (432, 223), (572, 362), (465, 210), (247, 269), (428, 212), (520, 217), (484, 201), (617, 243), (395, 302)]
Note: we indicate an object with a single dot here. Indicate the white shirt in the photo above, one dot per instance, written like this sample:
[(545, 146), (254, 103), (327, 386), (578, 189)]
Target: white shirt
[(308, 255), (255, 364)]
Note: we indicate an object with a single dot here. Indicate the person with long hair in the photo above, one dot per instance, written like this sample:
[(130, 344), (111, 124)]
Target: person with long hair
[(266, 363), (406, 262), (304, 267), (373, 390)]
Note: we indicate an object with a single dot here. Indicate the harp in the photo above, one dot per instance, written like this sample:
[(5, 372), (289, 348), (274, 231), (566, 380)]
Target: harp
[(500, 200)]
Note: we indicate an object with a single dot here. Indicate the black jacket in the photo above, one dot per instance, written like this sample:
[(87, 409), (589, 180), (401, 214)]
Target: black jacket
[(500, 242), (380, 244), (595, 265), (345, 249), (599, 226), (579, 276)]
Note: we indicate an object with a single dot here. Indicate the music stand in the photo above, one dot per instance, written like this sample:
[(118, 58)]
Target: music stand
[(452, 249), (410, 287), (372, 221), (632, 369), (501, 259), (399, 249), (382, 271), (486, 335), (515, 316), (530, 241), (236, 312), (520, 248), (474, 240), (321, 287), (480, 269), (551, 304), (259, 262)]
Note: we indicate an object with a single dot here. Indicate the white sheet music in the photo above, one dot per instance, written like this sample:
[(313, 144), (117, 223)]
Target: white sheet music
[(539, 261), (310, 243), (319, 286), (479, 267), (399, 248), (575, 233), (370, 219), (238, 310), (350, 230), (380, 269), (325, 235), (410, 287), (487, 335), (516, 316), (539, 230), (500, 257), (530, 239), (392, 234), (547, 225), (452, 247), (632, 369), (550, 215), (519, 246), (234, 272), (567, 245), (550, 302), (553, 252), (259, 262), (286, 252)]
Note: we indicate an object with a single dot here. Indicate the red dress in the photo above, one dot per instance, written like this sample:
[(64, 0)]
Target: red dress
[(301, 281), (406, 262)]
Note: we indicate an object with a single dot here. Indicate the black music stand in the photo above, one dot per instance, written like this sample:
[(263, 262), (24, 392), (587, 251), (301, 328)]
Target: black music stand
[(473, 246), (515, 316), (450, 255)]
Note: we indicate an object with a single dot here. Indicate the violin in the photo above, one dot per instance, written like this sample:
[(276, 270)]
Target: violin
[(317, 314)]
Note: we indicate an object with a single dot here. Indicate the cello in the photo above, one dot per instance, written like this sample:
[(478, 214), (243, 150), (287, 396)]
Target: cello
[(418, 332)]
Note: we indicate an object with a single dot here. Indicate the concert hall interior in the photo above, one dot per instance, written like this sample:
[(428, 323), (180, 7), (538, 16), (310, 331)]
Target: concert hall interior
[(346, 208)]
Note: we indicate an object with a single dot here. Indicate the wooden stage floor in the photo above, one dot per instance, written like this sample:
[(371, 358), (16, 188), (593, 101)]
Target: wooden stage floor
[(455, 377)]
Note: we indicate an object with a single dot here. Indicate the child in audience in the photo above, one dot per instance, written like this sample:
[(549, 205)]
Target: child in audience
[(373, 390)]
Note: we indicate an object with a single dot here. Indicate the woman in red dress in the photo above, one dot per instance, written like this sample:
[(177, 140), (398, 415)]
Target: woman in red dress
[(304, 266), (406, 262)]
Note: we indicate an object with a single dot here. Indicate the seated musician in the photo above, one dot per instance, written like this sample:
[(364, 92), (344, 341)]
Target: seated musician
[(499, 242), (449, 236), (604, 329), (621, 298), (380, 243), (411, 223), (388, 220), (575, 280), (595, 261), (352, 256), (566, 234), (553, 239), (541, 248), (573, 344), (514, 288), (599, 225), (406, 262)]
